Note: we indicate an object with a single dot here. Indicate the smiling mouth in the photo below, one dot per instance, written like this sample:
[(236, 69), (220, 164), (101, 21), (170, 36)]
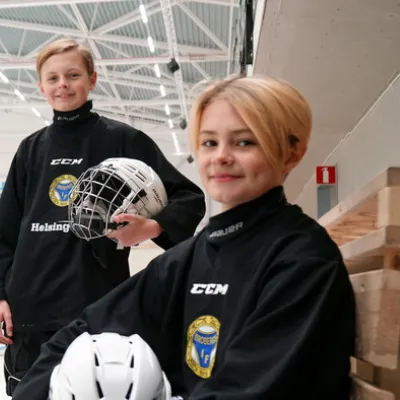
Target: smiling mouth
[(65, 96), (224, 178)]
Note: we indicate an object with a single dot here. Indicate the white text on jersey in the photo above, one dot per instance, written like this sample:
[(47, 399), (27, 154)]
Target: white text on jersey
[(46, 227), (209, 288), (66, 161), (227, 231)]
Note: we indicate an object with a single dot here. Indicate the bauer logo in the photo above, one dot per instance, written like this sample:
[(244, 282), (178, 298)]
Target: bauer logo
[(68, 119), (227, 231)]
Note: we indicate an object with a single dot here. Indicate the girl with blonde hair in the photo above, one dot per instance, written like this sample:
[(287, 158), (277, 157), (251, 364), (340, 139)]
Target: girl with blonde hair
[(258, 305)]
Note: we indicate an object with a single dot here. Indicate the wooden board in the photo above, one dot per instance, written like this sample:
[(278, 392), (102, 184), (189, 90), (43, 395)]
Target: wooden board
[(366, 226), (378, 317), (365, 391), (366, 209), (373, 251)]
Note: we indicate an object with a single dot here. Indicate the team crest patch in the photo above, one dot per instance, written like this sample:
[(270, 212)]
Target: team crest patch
[(60, 188), (202, 341)]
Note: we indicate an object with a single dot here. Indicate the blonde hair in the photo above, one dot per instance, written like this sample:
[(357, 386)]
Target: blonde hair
[(64, 46), (277, 114)]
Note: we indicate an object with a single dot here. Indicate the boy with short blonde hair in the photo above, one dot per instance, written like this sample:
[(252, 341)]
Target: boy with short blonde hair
[(47, 275)]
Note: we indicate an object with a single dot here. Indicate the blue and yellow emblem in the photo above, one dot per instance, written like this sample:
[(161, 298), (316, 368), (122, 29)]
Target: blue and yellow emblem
[(202, 342), (60, 188)]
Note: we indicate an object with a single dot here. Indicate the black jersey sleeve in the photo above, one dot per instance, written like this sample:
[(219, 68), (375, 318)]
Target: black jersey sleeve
[(11, 212), (298, 341), (186, 205), (135, 306)]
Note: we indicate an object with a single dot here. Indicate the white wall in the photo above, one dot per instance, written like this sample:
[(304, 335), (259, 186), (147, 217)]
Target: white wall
[(372, 146), (259, 21), (14, 126), (141, 257)]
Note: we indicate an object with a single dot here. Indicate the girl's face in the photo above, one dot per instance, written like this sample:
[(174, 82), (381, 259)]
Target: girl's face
[(232, 166), (65, 81)]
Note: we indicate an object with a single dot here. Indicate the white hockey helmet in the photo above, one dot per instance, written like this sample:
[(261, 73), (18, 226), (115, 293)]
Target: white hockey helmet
[(109, 366), (115, 186)]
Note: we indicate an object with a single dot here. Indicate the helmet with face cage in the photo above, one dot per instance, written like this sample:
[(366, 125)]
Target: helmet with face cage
[(115, 186)]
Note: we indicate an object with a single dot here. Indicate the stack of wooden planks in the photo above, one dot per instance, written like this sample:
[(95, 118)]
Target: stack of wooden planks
[(366, 226)]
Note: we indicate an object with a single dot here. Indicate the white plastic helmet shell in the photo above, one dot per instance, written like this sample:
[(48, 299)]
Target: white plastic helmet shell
[(115, 186), (109, 366)]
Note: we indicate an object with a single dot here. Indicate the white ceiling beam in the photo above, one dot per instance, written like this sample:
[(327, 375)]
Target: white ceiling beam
[(4, 48), (94, 16), (230, 36), (67, 14), (40, 28), (34, 52), (135, 16), (79, 22), (204, 28), (139, 116), (30, 64), (201, 70), (108, 38), (21, 44), (138, 81), (129, 18), (143, 42), (169, 25), (37, 3), (114, 50), (97, 103), (138, 78), (137, 85)]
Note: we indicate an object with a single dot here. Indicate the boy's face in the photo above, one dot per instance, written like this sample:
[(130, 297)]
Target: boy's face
[(65, 81), (232, 166)]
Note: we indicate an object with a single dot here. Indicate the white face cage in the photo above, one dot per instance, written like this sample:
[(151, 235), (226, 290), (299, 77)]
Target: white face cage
[(115, 186)]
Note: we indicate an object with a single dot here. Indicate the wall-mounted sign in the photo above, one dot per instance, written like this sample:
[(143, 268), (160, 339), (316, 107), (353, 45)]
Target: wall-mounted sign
[(326, 175), (327, 188)]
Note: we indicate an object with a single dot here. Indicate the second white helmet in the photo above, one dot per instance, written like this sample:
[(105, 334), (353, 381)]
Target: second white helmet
[(109, 366)]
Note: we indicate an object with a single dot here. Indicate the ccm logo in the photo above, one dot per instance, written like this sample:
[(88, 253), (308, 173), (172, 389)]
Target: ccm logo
[(66, 161), (209, 288)]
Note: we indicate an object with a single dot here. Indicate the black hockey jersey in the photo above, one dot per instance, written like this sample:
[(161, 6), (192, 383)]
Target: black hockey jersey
[(46, 273), (258, 306)]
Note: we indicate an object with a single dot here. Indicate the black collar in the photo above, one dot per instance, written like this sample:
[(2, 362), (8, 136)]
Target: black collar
[(69, 118), (235, 222)]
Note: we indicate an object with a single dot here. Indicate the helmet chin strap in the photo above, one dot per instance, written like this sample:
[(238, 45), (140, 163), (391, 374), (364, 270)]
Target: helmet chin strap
[(118, 211)]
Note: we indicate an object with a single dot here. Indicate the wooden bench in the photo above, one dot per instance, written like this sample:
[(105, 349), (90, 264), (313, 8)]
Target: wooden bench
[(366, 226)]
